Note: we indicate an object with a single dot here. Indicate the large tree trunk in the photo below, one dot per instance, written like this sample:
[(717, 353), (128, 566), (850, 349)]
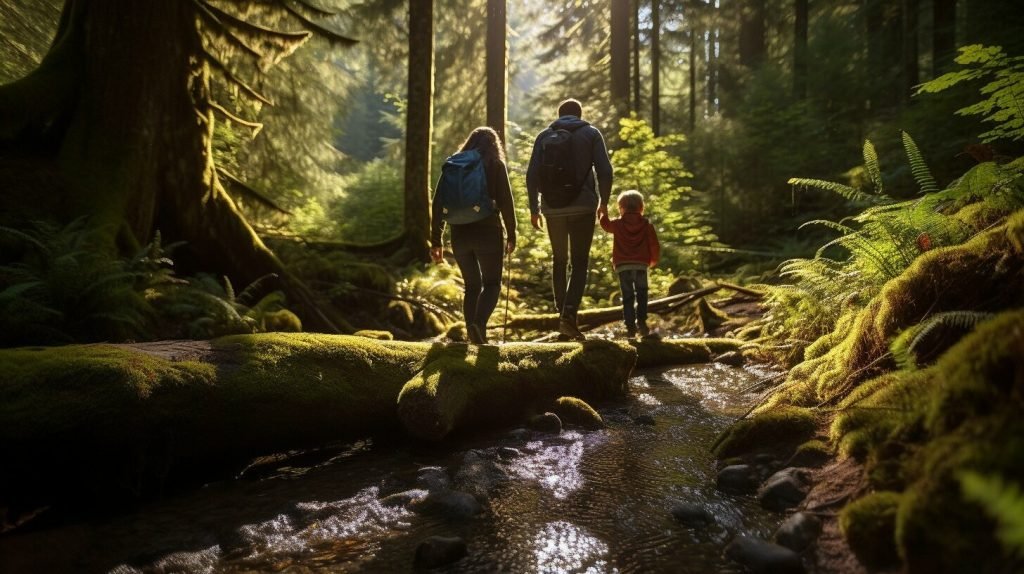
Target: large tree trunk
[(802, 10), (693, 77), (133, 124), (656, 66), (943, 35), (636, 56), (752, 33), (419, 123), (910, 55), (620, 57), (497, 66)]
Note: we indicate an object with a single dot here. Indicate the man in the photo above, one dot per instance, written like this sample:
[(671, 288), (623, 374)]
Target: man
[(572, 175)]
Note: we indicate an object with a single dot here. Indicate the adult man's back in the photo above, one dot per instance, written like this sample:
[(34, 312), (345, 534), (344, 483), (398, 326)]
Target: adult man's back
[(580, 163)]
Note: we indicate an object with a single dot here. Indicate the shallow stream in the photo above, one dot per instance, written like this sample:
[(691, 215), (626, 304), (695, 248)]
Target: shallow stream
[(583, 501)]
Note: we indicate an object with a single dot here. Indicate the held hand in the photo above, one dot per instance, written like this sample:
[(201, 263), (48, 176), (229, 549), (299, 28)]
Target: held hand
[(436, 254), (602, 210), (537, 221), (510, 246)]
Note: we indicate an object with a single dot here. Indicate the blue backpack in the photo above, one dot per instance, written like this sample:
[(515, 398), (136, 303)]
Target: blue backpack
[(462, 189)]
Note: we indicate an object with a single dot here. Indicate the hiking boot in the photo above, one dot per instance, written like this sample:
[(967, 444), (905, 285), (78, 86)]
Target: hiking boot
[(567, 326), (476, 335), (630, 331), (645, 332)]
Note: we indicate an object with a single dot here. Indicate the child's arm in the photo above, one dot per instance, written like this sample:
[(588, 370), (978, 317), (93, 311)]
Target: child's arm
[(652, 242), (606, 223)]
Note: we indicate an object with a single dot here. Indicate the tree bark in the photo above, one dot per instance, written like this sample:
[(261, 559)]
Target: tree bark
[(802, 10), (943, 36), (693, 77), (497, 67), (620, 56), (752, 33), (656, 67), (636, 56), (418, 127), (910, 54)]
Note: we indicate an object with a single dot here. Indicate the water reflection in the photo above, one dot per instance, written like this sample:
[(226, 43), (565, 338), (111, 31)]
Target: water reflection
[(555, 467), (562, 547)]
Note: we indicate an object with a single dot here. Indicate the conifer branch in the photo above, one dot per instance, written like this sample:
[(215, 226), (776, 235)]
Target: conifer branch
[(251, 192), (255, 126), (288, 38), (231, 77), (321, 30), (223, 30)]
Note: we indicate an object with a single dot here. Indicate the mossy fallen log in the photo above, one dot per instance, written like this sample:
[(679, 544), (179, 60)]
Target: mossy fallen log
[(467, 386), (127, 418)]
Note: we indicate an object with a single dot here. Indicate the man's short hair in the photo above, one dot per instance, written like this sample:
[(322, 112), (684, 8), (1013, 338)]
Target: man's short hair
[(570, 107), (631, 201)]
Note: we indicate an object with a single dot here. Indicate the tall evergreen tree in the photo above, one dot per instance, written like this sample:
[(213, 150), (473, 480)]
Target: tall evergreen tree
[(656, 66), (802, 13), (620, 56), (497, 66), (419, 125)]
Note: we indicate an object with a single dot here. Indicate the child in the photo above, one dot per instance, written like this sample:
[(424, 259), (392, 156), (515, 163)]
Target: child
[(635, 249)]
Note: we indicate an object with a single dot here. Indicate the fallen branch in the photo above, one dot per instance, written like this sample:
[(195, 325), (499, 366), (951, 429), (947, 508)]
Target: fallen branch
[(738, 289), (593, 318)]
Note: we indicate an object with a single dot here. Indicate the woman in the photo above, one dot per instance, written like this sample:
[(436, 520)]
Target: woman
[(478, 246)]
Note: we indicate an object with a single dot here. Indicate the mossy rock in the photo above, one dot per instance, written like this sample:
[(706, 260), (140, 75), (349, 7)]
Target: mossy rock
[(656, 353), (576, 411), (282, 321), (781, 428), (467, 386), (811, 453), (869, 525)]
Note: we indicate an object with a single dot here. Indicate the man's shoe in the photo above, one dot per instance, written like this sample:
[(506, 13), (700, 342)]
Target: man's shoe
[(644, 330), (568, 328)]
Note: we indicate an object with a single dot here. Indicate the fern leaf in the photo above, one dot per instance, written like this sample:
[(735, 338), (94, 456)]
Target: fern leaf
[(1001, 500), (872, 167), (962, 319), (846, 191), (922, 174)]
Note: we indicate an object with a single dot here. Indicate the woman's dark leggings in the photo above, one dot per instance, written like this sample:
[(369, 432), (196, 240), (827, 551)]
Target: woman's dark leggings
[(479, 253), (571, 237)]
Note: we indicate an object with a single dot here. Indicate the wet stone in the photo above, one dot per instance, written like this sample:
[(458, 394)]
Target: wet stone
[(731, 358), (798, 531), (448, 504), (439, 550), (404, 498), (737, 478), (432, 478), (547, 422), (763, 557), (646, 420), (507, 453), (693, 515), (784, 489), (479, 475)]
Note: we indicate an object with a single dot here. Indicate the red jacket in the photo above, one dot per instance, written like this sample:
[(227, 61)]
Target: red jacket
[(635, 239)]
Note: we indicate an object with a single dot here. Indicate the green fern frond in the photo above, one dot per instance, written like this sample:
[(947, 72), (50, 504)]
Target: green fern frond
[(873, 168), (845, 191), (829, 224), (965, 320), (922, 174)]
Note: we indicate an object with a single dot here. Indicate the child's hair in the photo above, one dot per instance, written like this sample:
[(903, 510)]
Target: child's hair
[(631, 201)]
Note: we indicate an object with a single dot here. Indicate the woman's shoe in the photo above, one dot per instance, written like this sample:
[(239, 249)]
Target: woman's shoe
[(568, 328), (477, 336)]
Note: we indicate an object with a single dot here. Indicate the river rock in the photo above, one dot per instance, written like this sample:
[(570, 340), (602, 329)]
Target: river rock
[(405, 498), (737, 478), (519, 434), (479, 475), (731, 358), (432, 478), (798, 531), (447, 503), (763, 557), (784, 489), (646, 420), (547, 422), (508, 453), (692, 515), (439, 551)]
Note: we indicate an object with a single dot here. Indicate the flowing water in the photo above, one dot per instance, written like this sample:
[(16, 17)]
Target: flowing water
[(583, 501)]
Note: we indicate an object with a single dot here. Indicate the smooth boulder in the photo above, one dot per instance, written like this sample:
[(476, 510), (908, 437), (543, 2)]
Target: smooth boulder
[(737, 479), (439, 551), (785, 489), (763, 557), (798, 531), (692, 515)]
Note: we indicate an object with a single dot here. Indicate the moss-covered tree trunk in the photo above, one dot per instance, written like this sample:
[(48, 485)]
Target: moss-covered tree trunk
[(418, 127), (128, 120)]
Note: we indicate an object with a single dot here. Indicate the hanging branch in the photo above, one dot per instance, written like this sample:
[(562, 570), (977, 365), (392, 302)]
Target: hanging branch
[(315, 9), (222, 67), (331, 35), (284, 37), (255, 126), (251, 192), (223, 30)]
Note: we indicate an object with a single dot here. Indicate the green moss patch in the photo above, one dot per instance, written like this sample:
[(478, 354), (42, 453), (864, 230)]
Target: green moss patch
[(654, 353), (467, 386), (576, 411), (869, 525), (782, 427)]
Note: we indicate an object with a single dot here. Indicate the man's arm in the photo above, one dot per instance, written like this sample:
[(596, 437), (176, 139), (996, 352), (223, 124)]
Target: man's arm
[(603, 167), (533, 178)]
